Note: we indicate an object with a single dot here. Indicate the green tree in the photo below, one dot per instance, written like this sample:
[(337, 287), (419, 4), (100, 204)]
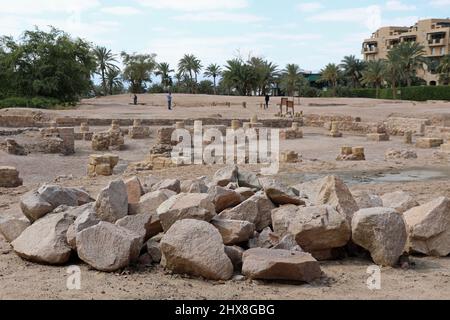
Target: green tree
[(265, 73), (394, 70), (190, 65), (353, 69), (206, 87), (292, 79), (239, 76), (331, 74), (411, 58), (105, 63), (138, 70), (164, 71), (114, 81), (444, 70), (374, 74), (49, 64), (213, 71)]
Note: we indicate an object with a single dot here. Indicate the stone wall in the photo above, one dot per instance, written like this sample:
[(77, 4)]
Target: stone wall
[(398, 125)]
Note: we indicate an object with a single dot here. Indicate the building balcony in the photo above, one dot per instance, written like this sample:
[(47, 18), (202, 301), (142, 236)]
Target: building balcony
[(371, 50), (436, 42)]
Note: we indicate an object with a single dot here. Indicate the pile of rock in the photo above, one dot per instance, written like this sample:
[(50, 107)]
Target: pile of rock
[(102, 165), (379, 134), (57, 140), (351, 154), (400, 154), (112, 139), (293, 133), (137, 131), (85, 133), (9, 177), (235, 223)]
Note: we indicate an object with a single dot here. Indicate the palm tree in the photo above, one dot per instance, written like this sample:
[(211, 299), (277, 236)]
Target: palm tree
[(191, 66), (164, 71), (105, 62), (412, 58), (213, 71), (374, 74), (331, 74), (240, 76), (113, 78), (353, 69), (291, 78), (394, 70), (444, 69), (265, 73)]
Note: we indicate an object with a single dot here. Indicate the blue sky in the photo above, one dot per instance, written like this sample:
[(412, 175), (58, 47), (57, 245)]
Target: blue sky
[(309, 33)]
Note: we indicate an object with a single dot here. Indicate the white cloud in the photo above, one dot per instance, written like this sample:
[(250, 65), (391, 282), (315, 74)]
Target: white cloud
[(33, 7), (366, 16), (121, 11), (310, 6), (401, 22), (220, 16), (195, 5), (440, 3), (396, 5)]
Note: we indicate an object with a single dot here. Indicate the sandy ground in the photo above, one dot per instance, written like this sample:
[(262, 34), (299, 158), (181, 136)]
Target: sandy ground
[(345, 279)]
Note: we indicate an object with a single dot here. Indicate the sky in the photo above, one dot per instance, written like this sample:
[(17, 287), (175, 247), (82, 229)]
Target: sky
[(309, 33)]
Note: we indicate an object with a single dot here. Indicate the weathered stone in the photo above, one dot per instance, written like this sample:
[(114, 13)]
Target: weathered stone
[(428, 143), (186, 206), (246, 211), (33, 206), (235, 254), (378, 137), (85, 219), (330, 190), (248, 179), (226, 175), (148, 182), (234, 231), (271, 264), (279, 194), (169, 184), (194, 186), (366, 200), (400, 154), (266, 239), (45, 240), (314, 228), (107, 247), (154, 249), (428, 228), (288, 243), (223, 198), (112, 202), (195, 247), (245, 193), (9, 177), (102, 165), (12, 228), (399, 200), (382, 232), (134, 190)]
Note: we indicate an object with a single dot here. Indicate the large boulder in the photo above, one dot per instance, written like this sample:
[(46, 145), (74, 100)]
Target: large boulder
[(315, 228), (280, 194), (381, 231), (140, 224), (168, 184), (112, 202), (37, 203), (195, 247), (366, 200), (134, 192), (265, 239), (85, 219), (235, 254), (248, 179), (234, 231), (223, 198), (246, 211), (45, 240), (225, 176), (193, 186), (150, 202), (107, 247), (329, 190), (12, 228), (273, 264), (399, 200), (186, 206), (428, 228)]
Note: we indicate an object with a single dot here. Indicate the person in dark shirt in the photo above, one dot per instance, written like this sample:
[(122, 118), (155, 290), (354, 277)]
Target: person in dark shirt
[(267, 101), (135, 100)]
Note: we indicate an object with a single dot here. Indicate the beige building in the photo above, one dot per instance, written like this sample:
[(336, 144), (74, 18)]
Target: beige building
[(433, 34)]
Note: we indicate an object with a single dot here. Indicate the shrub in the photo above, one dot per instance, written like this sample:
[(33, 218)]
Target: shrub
[(22, 102), (422, 93)]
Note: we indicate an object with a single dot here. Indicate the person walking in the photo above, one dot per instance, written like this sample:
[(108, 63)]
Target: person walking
[(267, 101), (169, 100), (135, 100)]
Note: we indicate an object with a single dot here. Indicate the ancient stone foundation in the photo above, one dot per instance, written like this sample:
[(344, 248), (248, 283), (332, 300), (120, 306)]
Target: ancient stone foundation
[(290, 157), (137, 131), (57, 140), (428, 143), (12, 147), (334, 132), (379, 134), (84, 133), (9, 177), (102, 165), (351, 154)]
